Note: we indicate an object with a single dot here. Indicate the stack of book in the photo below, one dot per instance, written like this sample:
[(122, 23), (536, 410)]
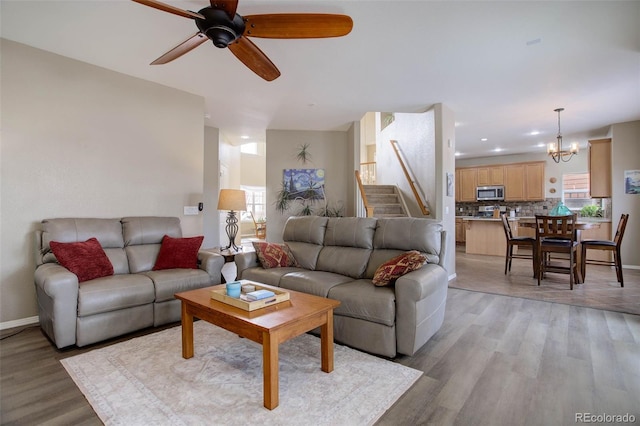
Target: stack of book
[(259, 295)]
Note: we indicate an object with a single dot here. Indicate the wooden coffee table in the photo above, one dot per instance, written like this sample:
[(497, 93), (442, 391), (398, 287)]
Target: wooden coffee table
[(268, 326)]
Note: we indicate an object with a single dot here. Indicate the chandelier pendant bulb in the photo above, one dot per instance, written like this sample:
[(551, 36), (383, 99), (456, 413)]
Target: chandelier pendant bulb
[(554, 149)]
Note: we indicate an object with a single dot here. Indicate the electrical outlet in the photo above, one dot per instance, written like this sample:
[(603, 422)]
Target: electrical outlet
[(190, 210)]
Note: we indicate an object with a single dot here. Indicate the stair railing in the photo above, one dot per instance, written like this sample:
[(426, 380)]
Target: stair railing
[(368, 208), (412, 183)]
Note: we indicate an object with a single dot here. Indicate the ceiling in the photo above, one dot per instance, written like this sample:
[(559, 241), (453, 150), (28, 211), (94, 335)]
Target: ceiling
[(502, 66)]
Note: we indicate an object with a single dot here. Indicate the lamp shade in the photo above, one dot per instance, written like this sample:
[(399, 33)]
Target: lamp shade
[(232, 199)]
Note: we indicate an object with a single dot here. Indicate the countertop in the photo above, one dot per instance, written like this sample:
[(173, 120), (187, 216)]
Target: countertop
[(531, 218)]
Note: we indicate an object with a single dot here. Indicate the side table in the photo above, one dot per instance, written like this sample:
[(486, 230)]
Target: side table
[(228, 254)]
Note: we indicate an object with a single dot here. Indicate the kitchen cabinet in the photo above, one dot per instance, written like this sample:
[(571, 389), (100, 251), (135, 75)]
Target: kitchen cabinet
[(490, 175), (468, 184), (600, 168), (514, 178), (524, 181), (534, 181)]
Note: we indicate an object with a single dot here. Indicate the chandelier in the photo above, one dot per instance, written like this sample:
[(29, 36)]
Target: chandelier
[(554, 149)]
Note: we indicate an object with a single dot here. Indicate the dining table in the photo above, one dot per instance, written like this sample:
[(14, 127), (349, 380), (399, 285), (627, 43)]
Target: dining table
[(579, 226)]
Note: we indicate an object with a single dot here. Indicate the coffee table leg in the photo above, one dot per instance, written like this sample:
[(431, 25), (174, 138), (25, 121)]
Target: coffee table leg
[(270, 371), (187, 332), (326, 343)]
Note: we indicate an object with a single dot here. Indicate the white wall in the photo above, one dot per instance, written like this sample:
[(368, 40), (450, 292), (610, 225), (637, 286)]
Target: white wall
[(625, 155), (445, 205), (427, 141), (83, 141), (329, 150), (415, 133)]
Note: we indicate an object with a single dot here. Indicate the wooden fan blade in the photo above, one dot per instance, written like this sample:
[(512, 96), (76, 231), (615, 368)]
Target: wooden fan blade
[(171, 9), (228, 6), (249, 54), (297, 25), (184, 47)]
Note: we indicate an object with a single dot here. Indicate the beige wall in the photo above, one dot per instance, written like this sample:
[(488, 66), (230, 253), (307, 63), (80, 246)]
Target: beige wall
[(329, 151), (83, 141), (625, 155)]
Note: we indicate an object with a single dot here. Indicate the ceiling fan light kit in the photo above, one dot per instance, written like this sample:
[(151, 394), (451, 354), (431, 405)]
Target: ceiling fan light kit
[(554, 149), (220, 23)]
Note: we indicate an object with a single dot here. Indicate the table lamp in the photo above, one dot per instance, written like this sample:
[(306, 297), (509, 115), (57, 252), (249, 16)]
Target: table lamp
[(232, 200)]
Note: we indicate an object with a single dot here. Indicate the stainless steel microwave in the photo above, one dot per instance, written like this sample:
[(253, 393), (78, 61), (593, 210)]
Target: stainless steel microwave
[(490, 193)]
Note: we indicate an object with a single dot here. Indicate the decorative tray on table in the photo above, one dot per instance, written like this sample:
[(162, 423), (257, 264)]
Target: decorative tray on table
[(279, 296)]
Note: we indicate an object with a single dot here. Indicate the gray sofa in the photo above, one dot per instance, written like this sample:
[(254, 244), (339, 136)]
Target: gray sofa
[(337, 259), (135, 297)]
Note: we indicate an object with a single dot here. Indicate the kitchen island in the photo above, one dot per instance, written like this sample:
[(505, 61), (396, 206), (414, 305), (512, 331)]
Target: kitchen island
[(485, 235)]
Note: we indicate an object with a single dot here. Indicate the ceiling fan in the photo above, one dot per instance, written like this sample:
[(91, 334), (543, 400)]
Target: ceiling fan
[(225, 28)]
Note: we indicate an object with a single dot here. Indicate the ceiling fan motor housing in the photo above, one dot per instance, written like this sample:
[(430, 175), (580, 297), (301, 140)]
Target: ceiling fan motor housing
[(221, 29)]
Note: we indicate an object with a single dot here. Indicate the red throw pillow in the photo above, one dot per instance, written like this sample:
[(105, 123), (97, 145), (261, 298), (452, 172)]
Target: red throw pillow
[(398, 266), (273, 255), (178, 253), (85, 259)]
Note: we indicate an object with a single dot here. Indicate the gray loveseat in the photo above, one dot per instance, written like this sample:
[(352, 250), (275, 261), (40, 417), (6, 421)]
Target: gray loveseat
[(134, 297), (337, 259)]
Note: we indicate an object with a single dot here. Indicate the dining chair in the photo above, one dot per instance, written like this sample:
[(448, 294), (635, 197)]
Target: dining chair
[(609, 245), (557, 234), (517, 242)]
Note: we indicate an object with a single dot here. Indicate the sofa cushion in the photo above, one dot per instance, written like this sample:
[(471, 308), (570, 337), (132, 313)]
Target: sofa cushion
[(149, 229), (350, 232), (67, 230), (347, 245), (268, 276), (273, 255), (305, 229), (305, 235), (394, 268), (171, 281), (360, 299), (115, 292), (312, 282), (410, 233), (85, 259), (349, 261), (178, 253)]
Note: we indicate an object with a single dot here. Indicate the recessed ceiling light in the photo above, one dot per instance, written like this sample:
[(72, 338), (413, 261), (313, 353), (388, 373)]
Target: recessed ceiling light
[(244, 137), (498, 150), (484, 139), (534, 133), (457, 154), (541, 144)]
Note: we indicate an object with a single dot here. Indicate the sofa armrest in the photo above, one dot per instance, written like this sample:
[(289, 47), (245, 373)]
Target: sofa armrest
[(244, 261), (212, 263), (420, 302), (57, 293)]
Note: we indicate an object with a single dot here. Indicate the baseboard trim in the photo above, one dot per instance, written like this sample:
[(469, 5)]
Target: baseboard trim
[(19, 323), (630, 266)]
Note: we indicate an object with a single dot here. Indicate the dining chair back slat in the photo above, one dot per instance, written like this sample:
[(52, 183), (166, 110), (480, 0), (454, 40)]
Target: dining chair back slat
[(557, 234)]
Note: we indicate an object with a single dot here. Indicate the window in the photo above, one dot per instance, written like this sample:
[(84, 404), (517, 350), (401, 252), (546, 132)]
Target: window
[(575, 192), (249, 148), (256, 202)]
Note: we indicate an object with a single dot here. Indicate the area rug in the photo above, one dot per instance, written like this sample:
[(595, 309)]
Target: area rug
[(146, 381)]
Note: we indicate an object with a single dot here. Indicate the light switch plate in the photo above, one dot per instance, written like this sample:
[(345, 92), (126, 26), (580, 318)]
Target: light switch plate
[(190, 210)]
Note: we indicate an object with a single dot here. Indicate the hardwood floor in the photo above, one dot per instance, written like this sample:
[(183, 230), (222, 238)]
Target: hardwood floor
[(497, 360), (600, 289)]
